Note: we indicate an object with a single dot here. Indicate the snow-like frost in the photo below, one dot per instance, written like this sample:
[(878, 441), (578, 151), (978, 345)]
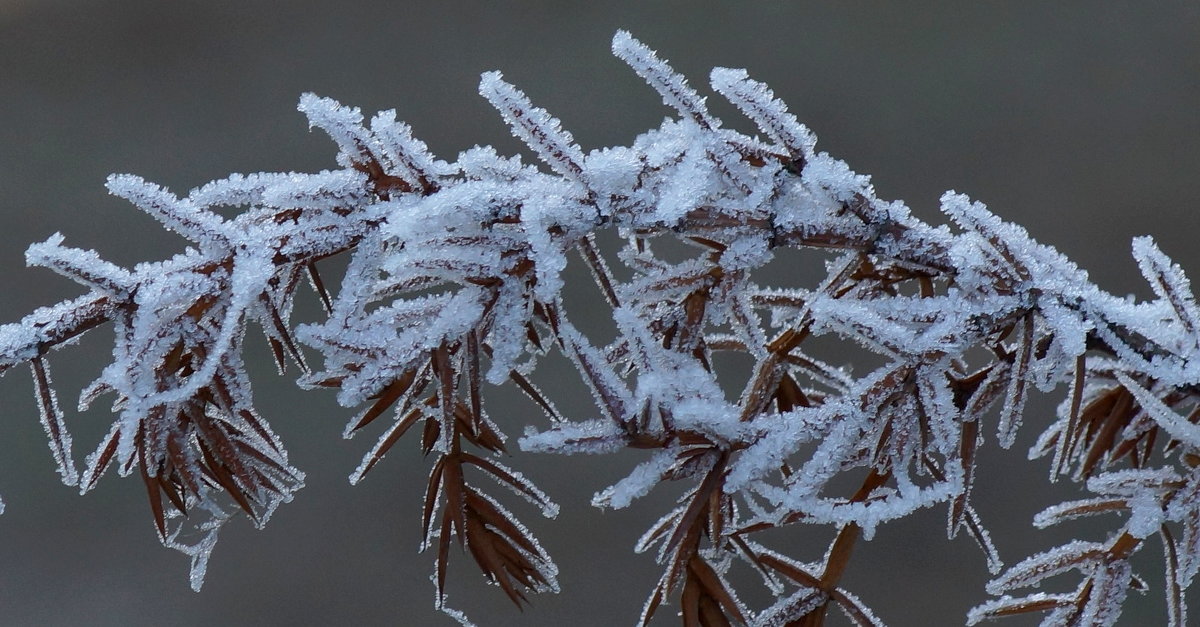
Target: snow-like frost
[(757, 102), (640, 481), (669, 84)]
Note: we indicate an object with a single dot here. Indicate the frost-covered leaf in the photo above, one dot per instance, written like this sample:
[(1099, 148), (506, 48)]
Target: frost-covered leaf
[(1170, 284), (757, 102), (1011, 606), (533, 125), (1173, 423), (1079, 555), (203, 227), (52, 422), (673, 88), (84, 266)]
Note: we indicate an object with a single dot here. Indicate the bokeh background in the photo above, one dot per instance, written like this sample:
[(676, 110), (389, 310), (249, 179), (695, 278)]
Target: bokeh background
[(1076, 119)]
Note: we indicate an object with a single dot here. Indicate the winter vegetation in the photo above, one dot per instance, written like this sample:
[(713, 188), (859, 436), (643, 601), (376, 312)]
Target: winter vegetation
[(455, 284)]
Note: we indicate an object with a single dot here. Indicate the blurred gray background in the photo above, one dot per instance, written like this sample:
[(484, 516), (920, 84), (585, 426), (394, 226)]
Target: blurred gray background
[(1076, 119)]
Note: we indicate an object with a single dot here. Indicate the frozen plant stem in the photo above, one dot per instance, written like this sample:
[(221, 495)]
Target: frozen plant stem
[(455, 278)]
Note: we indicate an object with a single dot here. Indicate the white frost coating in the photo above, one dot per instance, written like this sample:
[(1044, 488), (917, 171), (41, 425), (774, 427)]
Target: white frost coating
[(85, 266), (666, 282), (508, 332), (613, 171), (685, 191), (52, 422), (344, 125), (533, 125), (1172, 422), (19, 341), (591, 437), (869, 515), (548, 255), (458, 615), (237, 189), (1110, 585), (538, 557), (1173, 289), (1011, 412), (756, 101), (605, 385), (1134, 481), (990, 610), (406, 155), (1069, 331), (640, 481), (864, 612), (1029, 572), (1146, 515), (669, 84), (199, 225), (864, 323), (837, 178), (196, 539), (247, 281), (403, 332), (1069, 510), (937, 401), (668, 379), (323, 190), (519, 485), (782, 435), (747, 253)]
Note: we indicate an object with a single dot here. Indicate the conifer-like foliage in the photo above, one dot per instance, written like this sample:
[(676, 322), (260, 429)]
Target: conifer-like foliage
[(455, 284)]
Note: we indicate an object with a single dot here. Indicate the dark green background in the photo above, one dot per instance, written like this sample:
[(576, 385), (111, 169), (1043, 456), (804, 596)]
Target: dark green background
[(1075, 119)]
